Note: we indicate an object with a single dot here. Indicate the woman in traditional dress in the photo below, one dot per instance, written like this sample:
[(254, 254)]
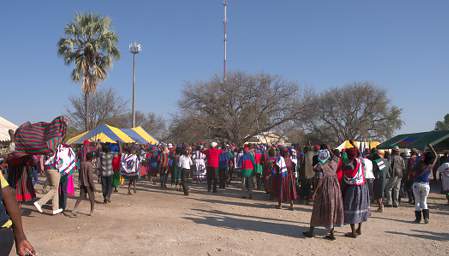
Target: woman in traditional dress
[(116, 169), (328, 204), (20, 176), (199, 160), (152, 156), (286, 187), (355, 192), (130, 167), (86, 184), (381, 172)]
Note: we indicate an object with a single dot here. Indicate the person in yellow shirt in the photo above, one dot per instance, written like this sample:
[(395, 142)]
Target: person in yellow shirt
[(11, 229)]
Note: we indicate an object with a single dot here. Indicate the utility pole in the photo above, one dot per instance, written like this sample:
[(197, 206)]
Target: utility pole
[(225, 30)]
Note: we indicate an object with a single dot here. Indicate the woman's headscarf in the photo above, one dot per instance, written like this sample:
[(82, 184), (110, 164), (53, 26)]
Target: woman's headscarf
[(323, 156)]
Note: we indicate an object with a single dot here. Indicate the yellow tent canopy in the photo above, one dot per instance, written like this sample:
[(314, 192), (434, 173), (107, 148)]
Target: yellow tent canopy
[(359, 144), (103, 133), (140, 135), (77, 137)]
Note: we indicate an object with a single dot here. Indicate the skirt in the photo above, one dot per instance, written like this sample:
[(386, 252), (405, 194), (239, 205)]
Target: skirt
[(24, 185), (356, 204), (328, 204), (285, 188), (116, 180), (379, 185)]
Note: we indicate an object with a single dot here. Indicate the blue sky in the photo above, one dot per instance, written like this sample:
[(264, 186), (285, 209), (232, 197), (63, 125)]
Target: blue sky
[(401, 45)]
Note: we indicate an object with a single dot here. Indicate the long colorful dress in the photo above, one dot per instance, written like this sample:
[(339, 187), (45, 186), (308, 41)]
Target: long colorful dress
[(285, 185), (19, 176), (356, 200), (380, 170), (328, 203), (153, 159), (116, 168)]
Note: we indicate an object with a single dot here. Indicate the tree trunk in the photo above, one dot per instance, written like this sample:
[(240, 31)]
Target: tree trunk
[(86, 113)]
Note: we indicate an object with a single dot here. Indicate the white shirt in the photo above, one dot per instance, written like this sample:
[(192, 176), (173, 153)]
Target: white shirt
[(185, 162), (369, 174)]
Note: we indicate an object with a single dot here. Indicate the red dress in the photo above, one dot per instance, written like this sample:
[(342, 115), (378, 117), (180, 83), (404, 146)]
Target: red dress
[(284, 186)]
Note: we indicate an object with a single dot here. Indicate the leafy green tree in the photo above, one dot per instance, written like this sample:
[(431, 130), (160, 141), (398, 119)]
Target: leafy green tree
[(91, 46)]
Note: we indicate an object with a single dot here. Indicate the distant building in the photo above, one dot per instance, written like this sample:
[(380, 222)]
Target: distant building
[(269, 138)]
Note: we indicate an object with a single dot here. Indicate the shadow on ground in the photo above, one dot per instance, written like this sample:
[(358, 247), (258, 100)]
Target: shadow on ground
[(247, 223), (423, 234)]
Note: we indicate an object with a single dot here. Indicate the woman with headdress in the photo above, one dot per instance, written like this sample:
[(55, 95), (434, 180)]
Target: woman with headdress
[(286, 187), (355, 192), (328, 204)]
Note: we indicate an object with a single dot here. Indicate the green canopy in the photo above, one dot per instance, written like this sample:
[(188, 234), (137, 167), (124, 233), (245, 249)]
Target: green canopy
[(438, 139)]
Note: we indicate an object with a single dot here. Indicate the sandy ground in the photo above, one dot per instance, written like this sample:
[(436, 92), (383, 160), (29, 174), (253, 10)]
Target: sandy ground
[(155, 222)]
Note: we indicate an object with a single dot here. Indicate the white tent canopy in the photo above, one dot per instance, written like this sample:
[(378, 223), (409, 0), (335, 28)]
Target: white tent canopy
[(5, 126)]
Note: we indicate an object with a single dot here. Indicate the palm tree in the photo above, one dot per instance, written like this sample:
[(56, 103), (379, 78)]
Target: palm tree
[(91, 46)]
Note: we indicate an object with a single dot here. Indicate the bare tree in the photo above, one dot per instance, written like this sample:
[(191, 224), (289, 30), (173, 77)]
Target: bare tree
[(104, 106), (443, 125), (355, 111), (185, 129), (243, 107)]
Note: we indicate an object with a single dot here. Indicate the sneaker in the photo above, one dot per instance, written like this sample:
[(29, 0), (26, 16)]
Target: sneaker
[(38, 207), (57, 211)]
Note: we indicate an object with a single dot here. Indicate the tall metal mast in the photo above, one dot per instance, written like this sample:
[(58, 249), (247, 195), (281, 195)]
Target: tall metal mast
[(225, 25)]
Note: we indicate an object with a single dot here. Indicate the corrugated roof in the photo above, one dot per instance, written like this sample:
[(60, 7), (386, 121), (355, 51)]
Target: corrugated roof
[(438, 139)]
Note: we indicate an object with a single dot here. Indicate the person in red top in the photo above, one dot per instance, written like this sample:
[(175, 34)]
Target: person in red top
[(356, 202), (213, 159)]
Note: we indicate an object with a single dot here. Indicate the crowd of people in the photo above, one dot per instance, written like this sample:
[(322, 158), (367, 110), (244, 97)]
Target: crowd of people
[(341, 185)]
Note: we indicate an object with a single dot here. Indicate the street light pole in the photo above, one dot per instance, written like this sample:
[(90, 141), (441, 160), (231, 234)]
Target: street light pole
[(134, 48)]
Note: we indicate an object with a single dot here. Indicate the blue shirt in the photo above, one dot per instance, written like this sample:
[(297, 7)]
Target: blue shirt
[(424, 176)]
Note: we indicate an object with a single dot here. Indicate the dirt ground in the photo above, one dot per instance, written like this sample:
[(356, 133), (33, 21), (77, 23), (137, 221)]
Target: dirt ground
[(155, 222)]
